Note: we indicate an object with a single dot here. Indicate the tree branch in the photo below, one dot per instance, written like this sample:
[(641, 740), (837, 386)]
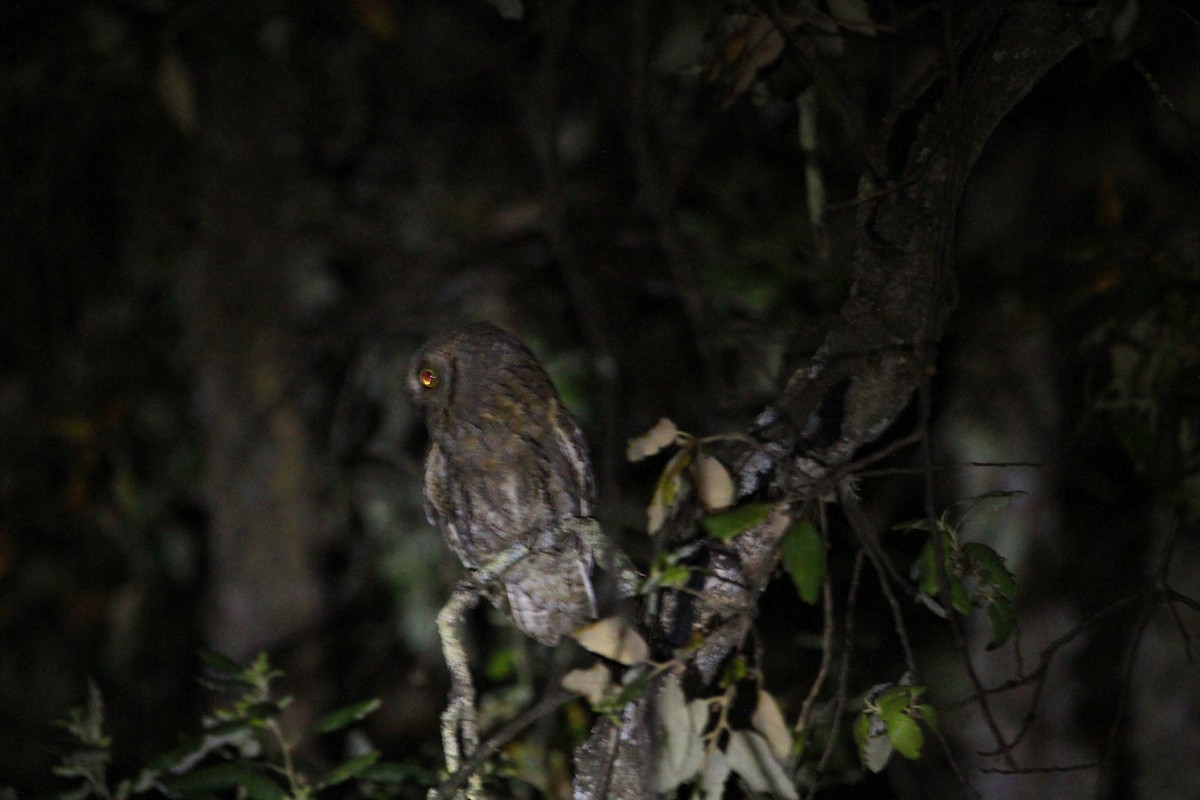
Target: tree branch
[(878, 349)]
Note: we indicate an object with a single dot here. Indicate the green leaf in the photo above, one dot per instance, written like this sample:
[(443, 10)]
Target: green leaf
[(224, 673), (222, 665), (631, 691), (394, 773), (674, 575), (735, 670), (350, 769), (992, 568), (501, 665), (260, 712), (735, 521), (170, 758), (862, 729), (925, 570), (904, 734), (892, 701), (666, 491), (261, 666), (926, 567), (999, 614), (203, 782), (918, 524), (345, 717), (230, 727), (929, 715), (801, 742), (959, 597), (803, 556), (986, 503)]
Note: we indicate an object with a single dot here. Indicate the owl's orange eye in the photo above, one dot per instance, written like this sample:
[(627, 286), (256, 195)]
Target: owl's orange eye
[(428, 378)]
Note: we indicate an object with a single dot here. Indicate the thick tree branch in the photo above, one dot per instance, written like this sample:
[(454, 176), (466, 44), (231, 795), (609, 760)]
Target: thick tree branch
[(877, 350)]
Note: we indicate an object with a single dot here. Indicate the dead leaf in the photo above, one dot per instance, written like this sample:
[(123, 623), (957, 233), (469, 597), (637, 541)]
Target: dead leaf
[(714, 486), (750, 756), (853, 15), (870, 734), (763, 45), (716, 772), (177, 91), (768, 720), (662, 435), (593, 683), (683, 724), (613, 638)]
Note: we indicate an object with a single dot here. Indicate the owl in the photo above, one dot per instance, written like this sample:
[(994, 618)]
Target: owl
[(507, 467)]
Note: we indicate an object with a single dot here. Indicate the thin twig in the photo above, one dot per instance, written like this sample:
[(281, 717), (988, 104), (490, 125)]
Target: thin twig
[(1163, 100), (854, 467), (889, 471), (1039, 770), (857, 518), (1160, 580), (943, 579), (1038, 678), (884, 569), (1182, 599), (550, 703), (1049, 651), (826, 634), (1114, 730), (866, 537), (840, 697)]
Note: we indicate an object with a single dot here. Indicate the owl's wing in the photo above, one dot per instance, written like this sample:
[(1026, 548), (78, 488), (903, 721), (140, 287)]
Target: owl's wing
[(435, 486), (573, 450), (439, 505), (550, 593)]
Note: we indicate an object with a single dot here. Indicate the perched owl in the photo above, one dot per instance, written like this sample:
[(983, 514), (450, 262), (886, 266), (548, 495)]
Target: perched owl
[(508, 466)]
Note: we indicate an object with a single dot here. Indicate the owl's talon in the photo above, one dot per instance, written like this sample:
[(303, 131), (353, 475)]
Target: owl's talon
[(460, 730)]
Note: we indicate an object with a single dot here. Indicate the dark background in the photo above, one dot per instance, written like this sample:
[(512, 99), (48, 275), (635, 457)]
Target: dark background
[(225, 226)]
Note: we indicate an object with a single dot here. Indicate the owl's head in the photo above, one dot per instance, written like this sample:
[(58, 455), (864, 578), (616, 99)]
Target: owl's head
[(458, 371)]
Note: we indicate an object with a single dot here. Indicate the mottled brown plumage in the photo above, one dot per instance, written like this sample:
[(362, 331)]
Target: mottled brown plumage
[(507, 466)]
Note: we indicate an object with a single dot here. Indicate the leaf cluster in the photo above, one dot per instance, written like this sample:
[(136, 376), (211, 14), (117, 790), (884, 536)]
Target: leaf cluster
[(968, 575), (890, 722), (701, 745), (243, 747), (690, 470)]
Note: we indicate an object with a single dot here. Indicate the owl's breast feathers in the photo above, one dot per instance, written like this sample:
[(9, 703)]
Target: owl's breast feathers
[(547, 593), (523, 495)]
